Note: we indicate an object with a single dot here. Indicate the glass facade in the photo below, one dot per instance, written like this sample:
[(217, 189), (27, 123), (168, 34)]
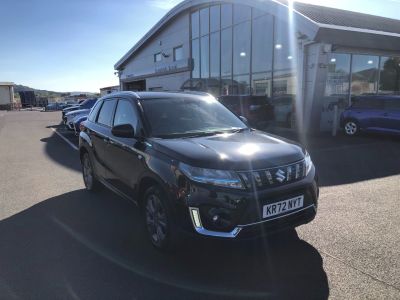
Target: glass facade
[(360, 74), (239, 51), (237, 55), (364, 79), (389, 75)]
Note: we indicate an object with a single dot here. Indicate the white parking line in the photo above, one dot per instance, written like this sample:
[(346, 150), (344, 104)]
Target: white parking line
[(66, 140)]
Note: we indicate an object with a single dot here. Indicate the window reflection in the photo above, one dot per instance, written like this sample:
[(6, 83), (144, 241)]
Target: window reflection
[(215, 23), (204, 57), (337, 88), (226, 50), (195, 25), (389, 75), (204, 21), (241, 13), (196, 58), (364, 74), (214, 55), (241, 47), (262, 44), (226, 15)]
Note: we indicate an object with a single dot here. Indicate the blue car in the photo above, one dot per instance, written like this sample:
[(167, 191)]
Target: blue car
[(372, 114)]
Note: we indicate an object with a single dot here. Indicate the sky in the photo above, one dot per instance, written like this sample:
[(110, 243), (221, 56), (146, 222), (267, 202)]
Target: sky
[(72, 45)]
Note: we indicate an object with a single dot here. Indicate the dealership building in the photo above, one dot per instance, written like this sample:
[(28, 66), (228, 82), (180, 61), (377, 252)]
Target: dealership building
[(307, 60)]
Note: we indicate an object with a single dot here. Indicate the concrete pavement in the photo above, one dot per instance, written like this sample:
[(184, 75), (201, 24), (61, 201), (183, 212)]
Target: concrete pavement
[(59, 241)]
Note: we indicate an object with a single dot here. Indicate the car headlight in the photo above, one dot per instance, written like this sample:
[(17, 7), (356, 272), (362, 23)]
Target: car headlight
[(308, 162), (210, 176)]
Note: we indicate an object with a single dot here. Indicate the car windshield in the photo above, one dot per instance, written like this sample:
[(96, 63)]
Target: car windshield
[(189, 116)]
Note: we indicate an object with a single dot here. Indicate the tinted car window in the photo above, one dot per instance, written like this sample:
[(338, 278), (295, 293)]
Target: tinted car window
[(392, 104), (125, 114), (106, 112), (94, 112), (367, 103), (185, 116)]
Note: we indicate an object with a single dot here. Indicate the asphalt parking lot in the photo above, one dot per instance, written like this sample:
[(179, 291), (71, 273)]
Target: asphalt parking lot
[(60, 242)]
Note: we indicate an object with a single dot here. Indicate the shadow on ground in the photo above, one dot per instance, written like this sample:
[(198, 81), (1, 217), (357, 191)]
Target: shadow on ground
[(92, 246), (59, 151)]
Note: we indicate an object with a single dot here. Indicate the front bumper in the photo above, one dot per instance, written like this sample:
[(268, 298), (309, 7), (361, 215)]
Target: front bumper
[(240, 212)]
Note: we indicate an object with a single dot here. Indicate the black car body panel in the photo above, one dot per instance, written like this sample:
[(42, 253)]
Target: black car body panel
[(129, 165)]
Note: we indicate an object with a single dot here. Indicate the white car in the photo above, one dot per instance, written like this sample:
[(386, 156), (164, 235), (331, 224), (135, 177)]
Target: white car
[(69, 117)]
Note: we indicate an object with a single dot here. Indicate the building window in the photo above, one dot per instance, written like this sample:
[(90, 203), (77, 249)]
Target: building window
[(241, 13), (364, 78), (157, 57), (261, 84), (178, 53), (241, 85), (204, 21), (338, 76), (205, 57), (215, 55), (196, 58), (389, 75), (241, 48), (226, 15), (215, 18), (226, 50), (195, 21), (262, 44)]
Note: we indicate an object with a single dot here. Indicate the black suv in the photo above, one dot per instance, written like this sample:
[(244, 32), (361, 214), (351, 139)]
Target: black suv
[(195, 167)]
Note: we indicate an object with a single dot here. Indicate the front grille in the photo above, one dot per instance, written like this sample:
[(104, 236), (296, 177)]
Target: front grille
[(272, 177)]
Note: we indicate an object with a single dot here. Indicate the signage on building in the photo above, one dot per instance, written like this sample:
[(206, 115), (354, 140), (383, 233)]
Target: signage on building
[(163, 68)]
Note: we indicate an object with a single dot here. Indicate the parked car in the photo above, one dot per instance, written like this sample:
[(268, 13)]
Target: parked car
[(258, 110), (52, 107), (77, 121), (88, 104), (70, 116), (195, 168), (372, 114)]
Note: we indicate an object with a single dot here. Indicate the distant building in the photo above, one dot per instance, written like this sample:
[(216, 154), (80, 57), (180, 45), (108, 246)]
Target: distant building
[(6, 95), (109, 90)]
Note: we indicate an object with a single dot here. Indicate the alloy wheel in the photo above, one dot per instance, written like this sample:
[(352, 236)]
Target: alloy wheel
[(350, 128), (87, 172), (156, 219)]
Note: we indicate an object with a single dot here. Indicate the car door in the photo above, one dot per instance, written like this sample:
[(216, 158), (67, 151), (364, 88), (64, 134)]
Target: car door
[(100, 135), (369, 111), (392, 114), (124, 155)]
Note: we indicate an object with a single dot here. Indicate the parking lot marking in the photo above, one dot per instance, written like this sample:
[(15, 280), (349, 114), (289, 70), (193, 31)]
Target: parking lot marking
[(65, 139)]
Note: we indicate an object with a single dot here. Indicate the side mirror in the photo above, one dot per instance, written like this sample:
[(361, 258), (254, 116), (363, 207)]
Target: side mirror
[(123, 130), (244, 120)]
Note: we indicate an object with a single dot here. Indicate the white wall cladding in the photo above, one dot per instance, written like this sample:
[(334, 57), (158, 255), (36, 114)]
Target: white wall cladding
[(172, 82), (173, 35)]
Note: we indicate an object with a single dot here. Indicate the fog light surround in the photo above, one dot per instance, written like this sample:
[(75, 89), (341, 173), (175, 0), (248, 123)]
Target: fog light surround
[(195, 214)]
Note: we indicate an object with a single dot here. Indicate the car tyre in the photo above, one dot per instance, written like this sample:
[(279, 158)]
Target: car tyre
[(89, 177), (351, 128), (158, 219)]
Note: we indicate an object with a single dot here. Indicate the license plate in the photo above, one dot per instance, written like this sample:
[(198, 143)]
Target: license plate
[(281, 207)]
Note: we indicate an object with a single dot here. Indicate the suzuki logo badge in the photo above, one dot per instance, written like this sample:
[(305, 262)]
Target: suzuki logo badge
[(280, 176)]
